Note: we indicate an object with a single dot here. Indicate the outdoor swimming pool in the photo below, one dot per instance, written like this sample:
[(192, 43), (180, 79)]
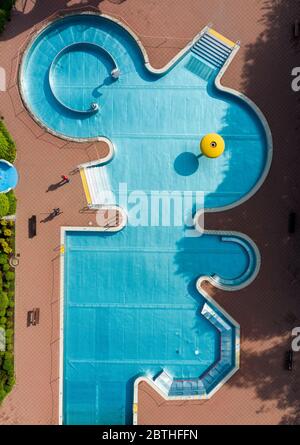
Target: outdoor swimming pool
[(8, 176), (131, 299), (152, 119), (132, 309)]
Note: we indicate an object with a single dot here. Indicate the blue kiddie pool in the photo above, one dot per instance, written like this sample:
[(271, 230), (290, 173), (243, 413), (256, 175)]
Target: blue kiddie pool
[(8, 176)]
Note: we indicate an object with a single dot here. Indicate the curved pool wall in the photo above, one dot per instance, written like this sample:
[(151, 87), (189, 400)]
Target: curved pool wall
[(251, 253), (160, 325), (165, 329), (8, 176), (73, 88), (150, 117)]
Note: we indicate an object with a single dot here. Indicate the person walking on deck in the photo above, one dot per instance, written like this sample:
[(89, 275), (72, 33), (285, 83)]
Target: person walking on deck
[(64, 179)]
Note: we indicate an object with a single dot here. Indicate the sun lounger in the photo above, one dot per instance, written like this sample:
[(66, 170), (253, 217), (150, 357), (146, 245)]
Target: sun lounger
[(33, 317), (292, 222), (29, 318), (289, 360), (32, 226), (296, 29), (36, 316)]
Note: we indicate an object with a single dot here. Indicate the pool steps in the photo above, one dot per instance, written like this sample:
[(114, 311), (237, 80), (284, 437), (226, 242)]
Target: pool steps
[(213, 48), (97, 186), (199, 68), (250, 267), (164, 381), (202, 387)]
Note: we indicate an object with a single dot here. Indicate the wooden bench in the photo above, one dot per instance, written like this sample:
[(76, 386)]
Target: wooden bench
[(296, 29), (289, 360), (33, 317), (32, 226), (292, 222)]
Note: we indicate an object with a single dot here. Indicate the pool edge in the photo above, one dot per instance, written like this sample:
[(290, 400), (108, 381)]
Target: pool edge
[(205, 294), (160, 71), (63, 231)]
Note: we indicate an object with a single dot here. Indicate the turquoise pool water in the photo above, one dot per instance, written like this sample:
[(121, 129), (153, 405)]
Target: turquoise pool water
[(131, 306), (8, 176), (153, 120)]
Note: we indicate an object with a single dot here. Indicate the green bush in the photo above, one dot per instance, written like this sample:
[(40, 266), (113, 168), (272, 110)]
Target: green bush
[(9, 386), (2, 26), (8, 364), (3, 259), (5, 12), (11, 380), (9, 337), (9, 276), (4, 205), (2, 392), (7, 145), (7, 5), (9, 333), (12, 202), (3, 301)]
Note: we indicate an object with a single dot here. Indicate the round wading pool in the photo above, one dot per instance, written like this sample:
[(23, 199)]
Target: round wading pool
[(8, 176)]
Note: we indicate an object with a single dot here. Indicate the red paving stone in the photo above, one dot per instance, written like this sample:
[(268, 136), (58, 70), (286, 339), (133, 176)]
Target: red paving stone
[(262, 392)]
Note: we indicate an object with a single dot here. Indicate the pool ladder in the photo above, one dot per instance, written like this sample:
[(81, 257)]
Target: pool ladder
[(213, 48)]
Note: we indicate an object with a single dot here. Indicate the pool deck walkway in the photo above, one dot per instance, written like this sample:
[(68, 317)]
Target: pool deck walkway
[(262, 392)]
